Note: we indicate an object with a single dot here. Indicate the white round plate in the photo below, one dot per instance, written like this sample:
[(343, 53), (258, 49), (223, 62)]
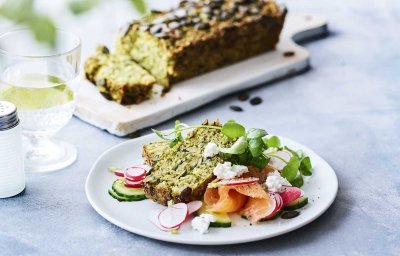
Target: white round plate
[(321, 190)]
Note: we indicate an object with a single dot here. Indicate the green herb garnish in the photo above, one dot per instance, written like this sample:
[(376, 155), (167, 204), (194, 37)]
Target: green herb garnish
[(250, 148), (233, 130), (291, 169), (273, 142), (305, 166), (239, 147)]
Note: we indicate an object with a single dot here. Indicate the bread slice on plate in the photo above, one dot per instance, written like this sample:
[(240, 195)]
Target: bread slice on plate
[(182, 173)]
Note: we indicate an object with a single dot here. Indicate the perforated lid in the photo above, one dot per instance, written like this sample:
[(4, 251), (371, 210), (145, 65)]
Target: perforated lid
[(6, 108), (8, 115)]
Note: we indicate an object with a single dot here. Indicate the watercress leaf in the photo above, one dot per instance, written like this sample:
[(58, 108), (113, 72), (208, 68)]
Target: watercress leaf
[(260, 161), (178, 133), (179, 125), (174, 142), (239, 147), (256, 147), (300, 153), (160, 134), (290, 170), (233, 130), (294, 153), (273, 142), (255, 133), (305, 166), (242, 159), (298, 181)]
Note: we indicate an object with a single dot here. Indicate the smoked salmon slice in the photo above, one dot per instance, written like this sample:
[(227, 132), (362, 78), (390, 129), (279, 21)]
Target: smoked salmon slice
[(232, 198), (224, 199), (256, 208)]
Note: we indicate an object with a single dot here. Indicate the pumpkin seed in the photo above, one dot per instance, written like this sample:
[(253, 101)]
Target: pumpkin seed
[(255, 101), (236, 108), (202, 26), (288, 54), (243, 96), (290, 215), (174, 25)]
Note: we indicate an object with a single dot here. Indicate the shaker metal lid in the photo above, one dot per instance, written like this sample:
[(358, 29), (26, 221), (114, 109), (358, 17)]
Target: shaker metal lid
[(8, 115)]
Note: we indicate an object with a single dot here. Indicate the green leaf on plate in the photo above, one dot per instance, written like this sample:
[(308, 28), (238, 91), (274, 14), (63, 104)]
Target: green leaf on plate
[(260, 161), (298, 181), (256, 147), (255, 133), (233, 130), (305, 166), (294, 153), (239, 147), (272, 142), (160, 134), (290, 170)]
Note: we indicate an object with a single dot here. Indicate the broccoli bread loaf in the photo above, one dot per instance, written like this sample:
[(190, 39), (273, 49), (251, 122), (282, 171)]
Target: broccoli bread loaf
[(181, 173), (152, 152), (118, 77), (171, 46), (200, 36)]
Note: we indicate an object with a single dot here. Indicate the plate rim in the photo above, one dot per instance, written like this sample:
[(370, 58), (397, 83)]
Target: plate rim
[(172, 239)]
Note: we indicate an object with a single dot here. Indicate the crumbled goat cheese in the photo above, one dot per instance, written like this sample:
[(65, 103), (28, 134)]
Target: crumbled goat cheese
[(211, 150), (202, 222), (228, 171), (275, 182)]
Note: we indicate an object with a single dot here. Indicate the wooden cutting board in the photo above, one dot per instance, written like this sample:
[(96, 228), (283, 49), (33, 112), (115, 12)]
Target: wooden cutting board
[(187, 95)]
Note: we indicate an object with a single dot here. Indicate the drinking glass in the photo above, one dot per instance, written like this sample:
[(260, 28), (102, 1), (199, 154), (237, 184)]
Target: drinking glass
[(42, 81)]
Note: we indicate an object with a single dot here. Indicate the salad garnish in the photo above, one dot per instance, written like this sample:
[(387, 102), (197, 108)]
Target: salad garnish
[(252, 147)]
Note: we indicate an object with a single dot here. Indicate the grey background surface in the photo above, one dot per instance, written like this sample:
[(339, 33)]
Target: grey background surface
[(346, 108)]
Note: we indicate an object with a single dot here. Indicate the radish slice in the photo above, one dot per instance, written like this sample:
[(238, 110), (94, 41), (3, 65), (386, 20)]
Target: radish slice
[(117, 172), (289, 194), (173, 216), (194, 206), (146, 167), (235, 182), (277, 203), (135, 174), (153, 217), (133, 184)]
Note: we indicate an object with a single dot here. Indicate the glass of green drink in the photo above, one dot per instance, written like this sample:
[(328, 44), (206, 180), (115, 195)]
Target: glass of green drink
[(42, 82)]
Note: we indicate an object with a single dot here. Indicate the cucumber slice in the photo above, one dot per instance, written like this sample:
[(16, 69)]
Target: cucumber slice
[(222, 219), (130, 194), (115, 196), (296, 204)]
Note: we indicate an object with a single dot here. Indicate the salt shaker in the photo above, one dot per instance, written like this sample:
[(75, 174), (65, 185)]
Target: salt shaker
[(12, 173)]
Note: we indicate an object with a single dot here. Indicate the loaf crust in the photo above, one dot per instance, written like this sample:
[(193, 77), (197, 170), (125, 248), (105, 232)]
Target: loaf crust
[(200, 36)]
